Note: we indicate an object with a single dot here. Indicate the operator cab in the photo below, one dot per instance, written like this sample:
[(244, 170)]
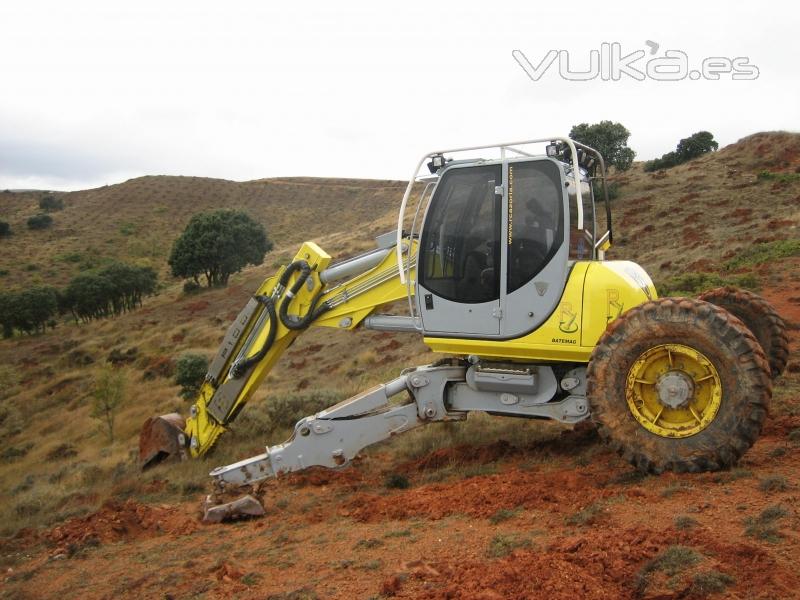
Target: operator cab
[(497, 241)]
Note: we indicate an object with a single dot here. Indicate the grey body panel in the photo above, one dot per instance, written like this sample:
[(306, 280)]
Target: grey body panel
[(450, 317), (516, 313)]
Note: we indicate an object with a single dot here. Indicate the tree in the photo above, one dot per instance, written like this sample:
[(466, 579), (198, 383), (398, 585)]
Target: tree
[(5, 229), (190, 371), (8, 313), (50, 203), (112, 290), (40, 221), (28, 310), (688, 149), (696, 145), (107, 396), (216, 244), (36, 308), (608, 138)]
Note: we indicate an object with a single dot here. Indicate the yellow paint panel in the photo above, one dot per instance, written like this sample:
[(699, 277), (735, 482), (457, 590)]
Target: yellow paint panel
[(596, 293)]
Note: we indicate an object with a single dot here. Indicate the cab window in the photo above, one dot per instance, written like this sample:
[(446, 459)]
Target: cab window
[(535, 219), (461, 237)]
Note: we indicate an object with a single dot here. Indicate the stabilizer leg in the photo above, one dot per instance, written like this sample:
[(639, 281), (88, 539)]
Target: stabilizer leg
[(333, 437)]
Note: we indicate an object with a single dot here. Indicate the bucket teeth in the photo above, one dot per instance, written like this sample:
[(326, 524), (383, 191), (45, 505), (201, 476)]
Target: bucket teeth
[(162, 438)]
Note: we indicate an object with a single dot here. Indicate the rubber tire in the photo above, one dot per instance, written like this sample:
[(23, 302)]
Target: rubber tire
[(725, 341), (761, 319)]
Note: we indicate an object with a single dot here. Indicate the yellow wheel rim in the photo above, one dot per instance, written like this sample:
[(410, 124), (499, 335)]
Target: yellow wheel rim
[(673, 391)]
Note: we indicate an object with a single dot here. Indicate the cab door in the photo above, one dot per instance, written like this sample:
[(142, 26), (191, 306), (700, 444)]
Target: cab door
[(458, 288), (536, 246)]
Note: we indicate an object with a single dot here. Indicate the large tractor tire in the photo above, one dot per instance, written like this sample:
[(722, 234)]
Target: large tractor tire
[(678, 384), (761, 319)]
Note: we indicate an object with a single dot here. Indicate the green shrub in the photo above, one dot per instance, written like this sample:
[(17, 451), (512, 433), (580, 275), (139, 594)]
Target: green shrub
[(691, 284), (190, 371), (396, 481), (779, 177), (50, 203), (5, 229), (761, 253), (40, 221)]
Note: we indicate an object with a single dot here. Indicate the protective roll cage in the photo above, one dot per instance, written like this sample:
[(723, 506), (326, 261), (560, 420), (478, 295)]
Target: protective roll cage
[(572, 150)]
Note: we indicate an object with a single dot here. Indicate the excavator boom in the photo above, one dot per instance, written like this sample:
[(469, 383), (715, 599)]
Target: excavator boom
[(306, 292)]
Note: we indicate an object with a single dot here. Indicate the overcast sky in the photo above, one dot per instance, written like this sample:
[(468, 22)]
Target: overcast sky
[(97, 92)]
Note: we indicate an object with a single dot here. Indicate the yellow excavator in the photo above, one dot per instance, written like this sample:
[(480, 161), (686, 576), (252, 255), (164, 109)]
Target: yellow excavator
[(502, 262)]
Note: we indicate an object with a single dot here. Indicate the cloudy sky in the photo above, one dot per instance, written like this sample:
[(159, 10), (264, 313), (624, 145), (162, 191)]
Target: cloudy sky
[(93, 93)]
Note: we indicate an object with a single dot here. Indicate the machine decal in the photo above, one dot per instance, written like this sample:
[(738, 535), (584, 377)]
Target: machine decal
[(568, 322), (640, 281), (510, 203), (613, 305)]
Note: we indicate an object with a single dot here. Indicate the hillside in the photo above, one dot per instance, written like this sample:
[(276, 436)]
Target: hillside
[(496, 508), (138, 220)]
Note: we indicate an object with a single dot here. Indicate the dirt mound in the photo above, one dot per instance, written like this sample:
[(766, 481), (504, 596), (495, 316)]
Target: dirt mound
[(562, 490), (128, 520), (602, 563)]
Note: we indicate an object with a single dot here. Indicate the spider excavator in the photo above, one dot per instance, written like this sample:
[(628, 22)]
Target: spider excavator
[(499, 253)]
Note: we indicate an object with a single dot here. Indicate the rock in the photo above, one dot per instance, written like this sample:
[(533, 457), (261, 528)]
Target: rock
[(246, 506)]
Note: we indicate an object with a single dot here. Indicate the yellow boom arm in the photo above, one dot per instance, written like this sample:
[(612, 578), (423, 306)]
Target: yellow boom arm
[(295, 296)]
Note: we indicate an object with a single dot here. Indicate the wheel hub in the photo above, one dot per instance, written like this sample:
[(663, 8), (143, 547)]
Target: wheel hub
[(675, 389)]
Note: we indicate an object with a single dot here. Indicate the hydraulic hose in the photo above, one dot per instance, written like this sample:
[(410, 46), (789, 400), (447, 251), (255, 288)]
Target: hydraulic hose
[(313, 311), (240, 367)]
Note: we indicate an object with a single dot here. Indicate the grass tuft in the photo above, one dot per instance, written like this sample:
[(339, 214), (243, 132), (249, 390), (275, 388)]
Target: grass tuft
[(503, 545), (773, 483), (588, 515), (685, 522), (504, 514), (711, 582), (764, 526)]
